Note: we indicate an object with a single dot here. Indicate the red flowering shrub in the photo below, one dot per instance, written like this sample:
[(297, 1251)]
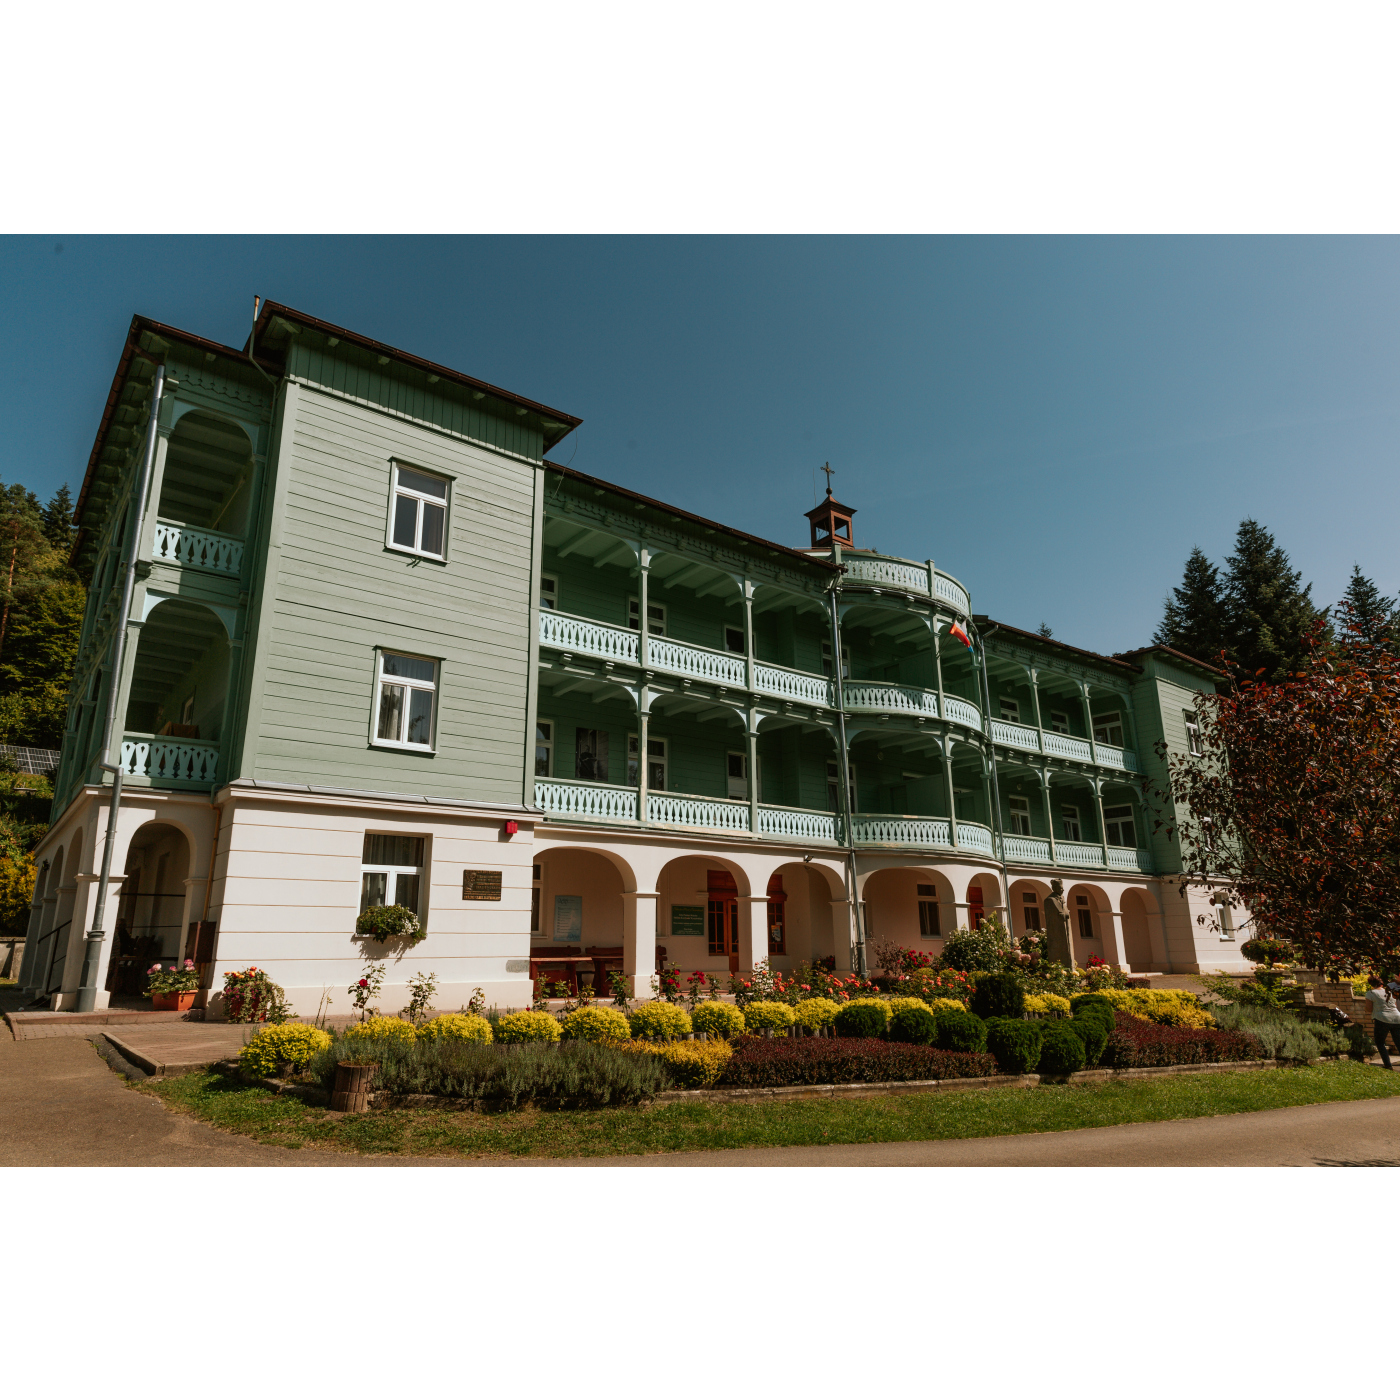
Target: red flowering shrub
[(1135, 1043), (765, 1064)]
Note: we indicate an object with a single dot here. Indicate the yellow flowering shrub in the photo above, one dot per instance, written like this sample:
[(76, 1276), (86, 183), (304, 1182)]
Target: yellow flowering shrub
[(768, 1015), (886, 1006), (939, 1004), (526, 1025), (456, 1026), (1168, 1007), (1047, 1004), (597, 1023), (659, 1018), (270, 1049), (719, 1018), (898, 1004), (815, 1012), (693, 1063), (382, 1028)]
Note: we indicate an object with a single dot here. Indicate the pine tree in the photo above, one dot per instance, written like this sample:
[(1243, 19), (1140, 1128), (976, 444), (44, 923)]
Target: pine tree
[(1193, 616), (58, 520), (1044, 631), (1363, 615), (1267, 607)]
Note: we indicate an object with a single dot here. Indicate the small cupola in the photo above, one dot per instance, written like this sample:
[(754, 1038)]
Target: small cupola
[(831, 524)]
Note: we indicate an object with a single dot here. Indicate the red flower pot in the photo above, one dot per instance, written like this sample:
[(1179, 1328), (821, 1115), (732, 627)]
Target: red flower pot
[(172, 1001)]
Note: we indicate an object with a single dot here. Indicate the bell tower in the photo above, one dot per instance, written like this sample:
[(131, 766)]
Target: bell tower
[(831, 521)]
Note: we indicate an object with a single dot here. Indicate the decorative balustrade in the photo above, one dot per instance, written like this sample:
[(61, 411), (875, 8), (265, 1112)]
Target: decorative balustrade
[(901, 831), (972, 836), (950, 592), (1066, 746), (676, 809), (887, 571), (796, 824), (1112, 757), (890, 699), (577, 634), (168, 760), (199, 549), (1128, 858), (593, 801), (722, 667), (1026, 850), (802, 686), (1015, 736), (1078, 853), (961, 712)]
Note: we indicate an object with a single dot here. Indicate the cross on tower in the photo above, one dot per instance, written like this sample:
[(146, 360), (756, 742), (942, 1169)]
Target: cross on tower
[(830, 472)]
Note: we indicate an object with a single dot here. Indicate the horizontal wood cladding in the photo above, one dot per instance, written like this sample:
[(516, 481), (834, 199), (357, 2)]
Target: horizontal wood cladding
[(399, 390), (339, 593)]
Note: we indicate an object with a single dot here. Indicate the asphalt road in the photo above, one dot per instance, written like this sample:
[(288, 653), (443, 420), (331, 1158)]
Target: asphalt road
[(61, 1106)]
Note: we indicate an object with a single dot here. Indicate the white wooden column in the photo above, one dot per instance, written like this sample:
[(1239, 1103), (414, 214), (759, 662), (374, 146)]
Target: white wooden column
[(1044, 774), (1103, 831), (750, 660), (946, 752), (639, 941), (751, 765), (1114, 938)]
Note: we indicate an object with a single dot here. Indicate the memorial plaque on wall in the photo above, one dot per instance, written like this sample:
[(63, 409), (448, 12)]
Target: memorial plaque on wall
[(481, 884), (687, 920)]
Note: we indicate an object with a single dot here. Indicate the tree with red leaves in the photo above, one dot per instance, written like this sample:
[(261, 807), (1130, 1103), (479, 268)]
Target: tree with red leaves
[(1293, 809)]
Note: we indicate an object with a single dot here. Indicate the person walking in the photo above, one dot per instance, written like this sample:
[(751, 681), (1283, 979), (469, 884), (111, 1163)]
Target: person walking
[(1385, 1017)]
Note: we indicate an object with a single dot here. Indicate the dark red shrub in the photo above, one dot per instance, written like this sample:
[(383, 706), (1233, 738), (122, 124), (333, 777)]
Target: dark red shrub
[(1134, 1044), (766, 1064)]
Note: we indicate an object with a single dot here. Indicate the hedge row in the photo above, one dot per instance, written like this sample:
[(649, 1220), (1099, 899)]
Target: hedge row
[(1134, 1044), (764, 1064)]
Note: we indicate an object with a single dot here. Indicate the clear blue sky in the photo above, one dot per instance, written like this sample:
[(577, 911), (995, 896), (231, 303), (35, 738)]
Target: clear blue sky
[(1055, 421)]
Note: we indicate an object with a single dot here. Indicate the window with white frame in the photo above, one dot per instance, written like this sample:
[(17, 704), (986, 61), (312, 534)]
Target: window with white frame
[(1020, 815), (419, 520), (1059, 721), (1010, 710), (1226, 916), (734, 640), (833, 789), (1108, 729), (1069, 818), (1118, 826), (1193, 732), (845, 661), (1030, 911), (391, 871), (656, 763), (544, 748), (737, 774), (656, 617), (929, 925), (405, 691), (1085, 916), (549, 592)]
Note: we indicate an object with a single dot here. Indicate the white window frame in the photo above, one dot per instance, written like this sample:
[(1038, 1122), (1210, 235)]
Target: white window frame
[(730, 779), (927, 916), (1006, 703), (445, 501), (380, 680), (656, 616), (549, 597), (1226, 915), (394, 871), (1105, 724), (663, 758), (546, 744), (1116, 816), (1059, 722), (1069, 814), (1018, 814), (1193, 734), (845, 661), (743, 648)]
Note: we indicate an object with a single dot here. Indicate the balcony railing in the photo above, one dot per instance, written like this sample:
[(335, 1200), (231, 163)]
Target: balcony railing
[(168, 760), (901, 831), (198, 549), (796, 824), (1021, 736), (676, 809), (890, 699), (909, 578), (802, 686), (577, 634), (721, 667), (594, 801)]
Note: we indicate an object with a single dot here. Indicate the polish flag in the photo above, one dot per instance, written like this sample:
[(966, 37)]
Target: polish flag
[(956, 631)]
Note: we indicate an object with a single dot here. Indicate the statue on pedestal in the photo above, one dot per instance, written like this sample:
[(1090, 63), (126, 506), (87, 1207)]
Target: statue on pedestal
[(1058, 939)]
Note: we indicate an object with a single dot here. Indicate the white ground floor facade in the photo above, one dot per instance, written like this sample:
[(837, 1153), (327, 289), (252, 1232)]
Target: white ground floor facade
[(274, 877)]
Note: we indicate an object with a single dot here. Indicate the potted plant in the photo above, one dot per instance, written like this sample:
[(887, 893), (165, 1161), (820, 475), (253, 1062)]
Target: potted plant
[(172, 988), (384, 921)]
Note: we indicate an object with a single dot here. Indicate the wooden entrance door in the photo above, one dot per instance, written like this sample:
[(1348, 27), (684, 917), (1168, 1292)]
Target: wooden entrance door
[(724, 917)]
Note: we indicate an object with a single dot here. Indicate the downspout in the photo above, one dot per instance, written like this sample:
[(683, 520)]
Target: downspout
[(843, 778), (998, 834), (92, 955)]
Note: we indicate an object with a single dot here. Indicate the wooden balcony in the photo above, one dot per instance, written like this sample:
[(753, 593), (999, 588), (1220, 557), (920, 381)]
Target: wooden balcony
[(192, 548), (164, 761), (1022, 736)]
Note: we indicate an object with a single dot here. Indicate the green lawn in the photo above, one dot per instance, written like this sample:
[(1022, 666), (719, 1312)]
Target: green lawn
[(257, 1113)]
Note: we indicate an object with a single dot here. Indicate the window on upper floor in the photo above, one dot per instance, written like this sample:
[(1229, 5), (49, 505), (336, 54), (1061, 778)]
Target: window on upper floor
[(1108, 728), (1059, 721), (404, 700), (1010, 710), (1069, 819), (1020, 815), (418, 522), (737, 775), (1193, 732), (833, 786), (544, 748), (734, 640), (1118, 826), (656, 763), (656, 617), (391, 871), (549, 592), (845, 661)]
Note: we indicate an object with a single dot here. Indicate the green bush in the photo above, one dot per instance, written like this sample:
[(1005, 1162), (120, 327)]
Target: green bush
[(1283, 1034), (521, 1026), (380, 1028), (1093, 1032), (269, 1050), (596, 1023), (982, 949), (455, 1026), (915, 1025), (997, 996), (659, 1020), (718, 1018), (1016, 1044), (861, 1020), (961, 1030), (1096, 1004), (812, 1013), (768, 1015), (1061, 1049)]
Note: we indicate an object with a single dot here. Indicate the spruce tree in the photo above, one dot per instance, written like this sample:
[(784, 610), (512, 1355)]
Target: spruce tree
[(58, 520), (1267, 607), (1364, 615), (1193, 617)]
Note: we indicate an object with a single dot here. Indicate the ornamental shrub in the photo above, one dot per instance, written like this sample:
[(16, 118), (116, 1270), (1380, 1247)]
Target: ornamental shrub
[(941, 1004), (596, 1023), (382, 1028), (998, 995), (1047, 1004), (455, 1026), (660, 1019), (1016, 1044), (861, 1020), (914, 1025), (880, 1002), (1166, 1008), (384, 921), (958, 1029), (771, 1063), (1134, 1043), (521, 1026), (1093, 1030), (1097, 1003), (898, 1004), (815, 1012), (692, 1064), (768, 1015), (1061, 1049), (271, 1049), (721, 1019), (982, 949)]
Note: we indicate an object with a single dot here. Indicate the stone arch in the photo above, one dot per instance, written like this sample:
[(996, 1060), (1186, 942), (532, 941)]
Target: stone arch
[(983, 892), (1021, 909), (160, 857), (811, 914), (207, 478), (1100, 910), (894, 897)]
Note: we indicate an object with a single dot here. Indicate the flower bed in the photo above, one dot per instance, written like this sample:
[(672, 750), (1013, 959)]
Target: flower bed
[(764, 1064), (1134, 1044)]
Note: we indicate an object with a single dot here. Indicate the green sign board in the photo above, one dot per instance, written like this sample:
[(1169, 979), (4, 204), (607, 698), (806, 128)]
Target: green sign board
[(568, 918), (687, 921)]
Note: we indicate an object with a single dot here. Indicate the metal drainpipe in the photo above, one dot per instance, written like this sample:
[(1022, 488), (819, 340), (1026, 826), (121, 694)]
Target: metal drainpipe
[(843, 771), (92, 954), (996, 787)]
